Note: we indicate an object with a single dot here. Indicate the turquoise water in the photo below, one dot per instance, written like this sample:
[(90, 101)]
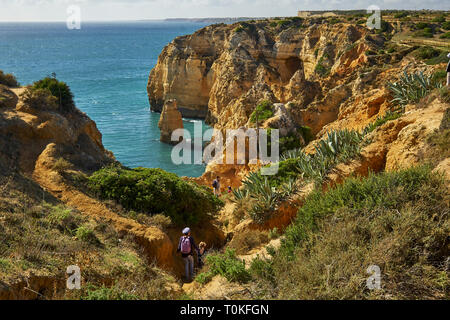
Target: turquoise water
[(107, 67)]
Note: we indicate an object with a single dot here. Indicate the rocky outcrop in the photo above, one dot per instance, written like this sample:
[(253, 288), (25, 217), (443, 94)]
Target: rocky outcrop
[(223, 71), (26, 132), (7, 98), (170, 121)]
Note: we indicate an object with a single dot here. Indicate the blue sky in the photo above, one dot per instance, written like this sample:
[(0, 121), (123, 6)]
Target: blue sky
[(56, 10)]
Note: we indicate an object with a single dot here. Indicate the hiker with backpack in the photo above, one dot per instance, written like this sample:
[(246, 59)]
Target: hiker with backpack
[(448, 71), (186, 246), (216, 186)]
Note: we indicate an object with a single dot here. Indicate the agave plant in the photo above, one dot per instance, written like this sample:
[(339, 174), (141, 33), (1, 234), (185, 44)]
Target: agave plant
[(289, 188), (292, 154), (239, 195), (338, 142), (412, 87)]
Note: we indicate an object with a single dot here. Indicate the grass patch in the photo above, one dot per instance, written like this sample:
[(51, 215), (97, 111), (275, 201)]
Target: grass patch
[(105, 293), (430, 55), (225, 264), (248, 240), (339, 233), (61, 165), (445, 35)]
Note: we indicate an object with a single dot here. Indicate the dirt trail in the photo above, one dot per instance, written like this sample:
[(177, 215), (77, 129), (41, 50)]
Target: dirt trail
[(157, 245)]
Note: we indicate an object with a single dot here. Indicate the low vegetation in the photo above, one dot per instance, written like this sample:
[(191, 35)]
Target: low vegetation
[(8, 80), (39, 99), (248, 240), (155, 191), (44, 238), (338, 234), (263, 111), (58, 89), (225, 264), (430, 55)]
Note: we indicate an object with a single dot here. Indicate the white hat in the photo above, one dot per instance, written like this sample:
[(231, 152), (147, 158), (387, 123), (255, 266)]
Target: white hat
[(448, 56), (186, 230)]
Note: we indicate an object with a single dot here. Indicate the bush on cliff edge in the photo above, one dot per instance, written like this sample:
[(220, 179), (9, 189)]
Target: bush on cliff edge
[(155, 191)]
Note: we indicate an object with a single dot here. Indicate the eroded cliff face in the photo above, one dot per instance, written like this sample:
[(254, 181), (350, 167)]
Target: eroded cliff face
[(170, 121), (26, 132), (221, 72)]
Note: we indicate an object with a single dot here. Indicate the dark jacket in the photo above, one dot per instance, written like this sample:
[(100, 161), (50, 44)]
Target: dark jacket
[(448, 66), (193, 246), (201, 258)]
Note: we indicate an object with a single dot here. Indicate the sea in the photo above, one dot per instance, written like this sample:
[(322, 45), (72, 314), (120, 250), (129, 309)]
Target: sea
[(107, 66)]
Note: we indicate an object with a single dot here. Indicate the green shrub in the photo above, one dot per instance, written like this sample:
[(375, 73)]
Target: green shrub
[(61, 165), (398, 221), (263, 269), (307, 134), (86, 234), (105, 293), (263, 111), (320, 69), (360, 195), (289, 142), (441, 58), (204, 277), (446, 25), (425, 33), (60, 90), (381, 120), (226, 265), (422, 25), (430, 55), (426, 53), (39, 99), (273, 233), (8, 80), (438, 19), (445, 35), (334, 20), (402, 14), (440, 76), (62, 218), (155, 191), (284, 23)]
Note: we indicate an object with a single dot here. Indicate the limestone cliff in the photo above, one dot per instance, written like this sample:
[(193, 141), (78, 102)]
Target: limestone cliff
[(25, 132), (222, 71), (170, 121)]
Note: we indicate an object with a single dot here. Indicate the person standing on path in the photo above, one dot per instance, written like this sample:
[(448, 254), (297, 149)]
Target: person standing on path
[(448, 71), (216, 186), (186, 246)]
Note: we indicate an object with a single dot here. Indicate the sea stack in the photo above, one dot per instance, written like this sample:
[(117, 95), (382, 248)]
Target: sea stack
[(170, 121)]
